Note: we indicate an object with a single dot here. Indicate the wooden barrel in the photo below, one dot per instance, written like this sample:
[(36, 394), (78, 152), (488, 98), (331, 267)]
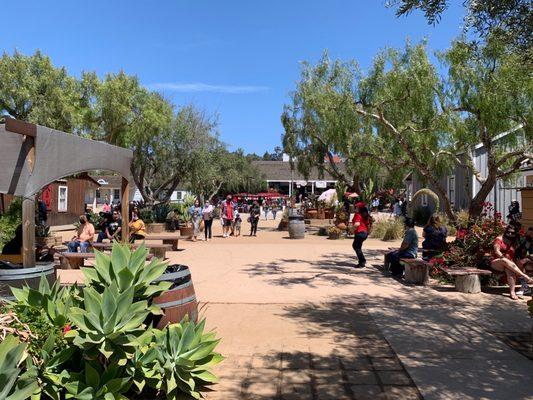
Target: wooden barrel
[(17, 276), (296, 227), (180, 299)]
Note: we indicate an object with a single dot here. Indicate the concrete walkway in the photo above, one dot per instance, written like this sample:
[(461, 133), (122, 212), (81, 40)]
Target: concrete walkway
[(297, 321)]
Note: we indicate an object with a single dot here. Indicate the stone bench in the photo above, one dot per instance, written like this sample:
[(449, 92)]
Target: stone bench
[(416, 270), (466, 279), (76, 260)]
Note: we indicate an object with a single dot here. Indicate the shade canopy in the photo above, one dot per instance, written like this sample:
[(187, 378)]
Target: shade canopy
[(33, 156)]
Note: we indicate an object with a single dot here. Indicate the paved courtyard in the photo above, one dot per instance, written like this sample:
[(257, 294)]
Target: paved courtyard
[(298, 322)]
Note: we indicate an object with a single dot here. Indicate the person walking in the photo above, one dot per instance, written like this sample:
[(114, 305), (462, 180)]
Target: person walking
[(362, 223), (266, 208), (227, 216), (207, 215), (255, 212), (274, 209), (196, 214)]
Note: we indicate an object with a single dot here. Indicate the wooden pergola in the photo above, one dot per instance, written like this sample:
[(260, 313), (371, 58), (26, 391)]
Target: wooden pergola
[(33, 156)]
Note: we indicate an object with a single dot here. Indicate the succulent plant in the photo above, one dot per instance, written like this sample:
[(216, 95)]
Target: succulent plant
[(127, 269), (15, 385)]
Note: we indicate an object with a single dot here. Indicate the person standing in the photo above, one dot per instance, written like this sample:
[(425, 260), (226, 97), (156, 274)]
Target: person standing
[(255, 212), (227, 216), (266, 206), (362, 223), (207, 215), (196, 215), (84, 236), (274, 209)]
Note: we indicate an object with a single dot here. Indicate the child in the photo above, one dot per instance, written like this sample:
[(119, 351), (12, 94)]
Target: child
[(237, 224)]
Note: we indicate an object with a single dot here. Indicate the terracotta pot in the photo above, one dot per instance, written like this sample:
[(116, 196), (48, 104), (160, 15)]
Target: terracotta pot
[(311, 213), (341, 226), (329, 213), (321, 214), (186, 231), (155, 228)]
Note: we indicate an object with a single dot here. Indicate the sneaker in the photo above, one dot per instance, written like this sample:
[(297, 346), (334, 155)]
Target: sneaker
[(525, 288)]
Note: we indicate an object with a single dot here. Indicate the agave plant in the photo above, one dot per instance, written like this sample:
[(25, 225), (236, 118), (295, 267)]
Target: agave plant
[(97, 383), (108, 324), (184, 355), (14, 383), (55, 300), (160, 212), (126, 269)]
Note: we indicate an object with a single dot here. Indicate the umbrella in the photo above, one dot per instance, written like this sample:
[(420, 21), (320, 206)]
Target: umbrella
[(327, 196)]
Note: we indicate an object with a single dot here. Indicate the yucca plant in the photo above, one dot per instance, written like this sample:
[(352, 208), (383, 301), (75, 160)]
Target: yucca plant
[(126, 268), (184, 355), (14, 383), (108, 324)]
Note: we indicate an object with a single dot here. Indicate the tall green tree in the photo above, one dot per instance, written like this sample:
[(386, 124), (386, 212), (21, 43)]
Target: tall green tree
[(510, 20), (33, 90), (402, 113)]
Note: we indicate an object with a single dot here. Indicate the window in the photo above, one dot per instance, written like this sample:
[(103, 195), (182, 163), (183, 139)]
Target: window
[(116, 195), (62, 201), (424, 200), (451, 189)]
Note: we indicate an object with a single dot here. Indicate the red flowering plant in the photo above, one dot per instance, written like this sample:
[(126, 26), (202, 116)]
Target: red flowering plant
[(473, 241)]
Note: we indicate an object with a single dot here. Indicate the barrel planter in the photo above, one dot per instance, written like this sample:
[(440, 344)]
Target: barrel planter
[(321, 214), (179, 300), (311, 213), (18, 277), (296, 227), (186, 231)]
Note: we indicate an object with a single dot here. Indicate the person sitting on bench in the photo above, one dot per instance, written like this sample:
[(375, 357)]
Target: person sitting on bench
[(112, 229), (408, 249), (434, 235), (138, 229), (83, 238), (503, 259)]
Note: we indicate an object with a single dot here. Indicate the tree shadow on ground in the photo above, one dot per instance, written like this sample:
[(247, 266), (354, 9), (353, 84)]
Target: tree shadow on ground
[(334, 268), (453, 347)]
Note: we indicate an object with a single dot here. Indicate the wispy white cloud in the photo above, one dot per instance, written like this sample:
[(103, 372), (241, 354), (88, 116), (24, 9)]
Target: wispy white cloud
[(204, 87)]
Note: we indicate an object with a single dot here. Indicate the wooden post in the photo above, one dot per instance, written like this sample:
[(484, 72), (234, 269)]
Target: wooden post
[(125, 201), (28, 232)]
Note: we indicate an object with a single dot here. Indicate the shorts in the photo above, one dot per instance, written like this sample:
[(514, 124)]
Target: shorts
[(228, 222)]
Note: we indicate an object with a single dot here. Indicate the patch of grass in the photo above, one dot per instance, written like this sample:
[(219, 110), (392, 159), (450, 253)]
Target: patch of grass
[(388, 229)]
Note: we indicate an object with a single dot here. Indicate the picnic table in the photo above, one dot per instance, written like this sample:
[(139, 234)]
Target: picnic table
[(76, 260)]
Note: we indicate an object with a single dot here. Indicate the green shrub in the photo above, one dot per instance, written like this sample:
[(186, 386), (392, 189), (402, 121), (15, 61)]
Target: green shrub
[(388, 229), (95, 344), (9, 221), (147, 215), (160, 212)]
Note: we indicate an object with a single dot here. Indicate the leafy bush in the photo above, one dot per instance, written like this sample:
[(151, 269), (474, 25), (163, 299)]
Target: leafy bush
[(95, 344), (9, 222), (462, 218), (160, 212), (388, 229), (147, 215)]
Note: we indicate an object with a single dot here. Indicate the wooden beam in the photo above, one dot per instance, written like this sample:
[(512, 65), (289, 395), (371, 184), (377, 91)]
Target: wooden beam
[(125, 202), (20, 127), (28, 232)]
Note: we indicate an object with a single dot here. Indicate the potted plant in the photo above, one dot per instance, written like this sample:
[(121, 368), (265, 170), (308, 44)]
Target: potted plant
[(320, 211), (334, 233), (147, 215), (44, 238), (159, 212)]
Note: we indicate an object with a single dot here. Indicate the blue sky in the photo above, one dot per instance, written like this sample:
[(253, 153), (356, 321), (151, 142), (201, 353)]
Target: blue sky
[(239, 59)]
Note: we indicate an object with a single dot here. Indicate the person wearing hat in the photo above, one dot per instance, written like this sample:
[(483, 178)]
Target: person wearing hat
[(408, 249)]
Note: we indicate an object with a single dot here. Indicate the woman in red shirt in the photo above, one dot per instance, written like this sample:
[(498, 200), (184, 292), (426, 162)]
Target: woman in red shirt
[(503, 259), (362, 223)]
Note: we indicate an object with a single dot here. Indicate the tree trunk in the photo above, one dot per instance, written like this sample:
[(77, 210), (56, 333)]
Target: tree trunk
[(468, 283), (444, 197), (476, 208)]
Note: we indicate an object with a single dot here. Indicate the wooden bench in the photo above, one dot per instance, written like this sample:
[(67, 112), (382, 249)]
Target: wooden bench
[(416, 270), (76, 260), (466, 279), (167, 239), (157, 249)]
